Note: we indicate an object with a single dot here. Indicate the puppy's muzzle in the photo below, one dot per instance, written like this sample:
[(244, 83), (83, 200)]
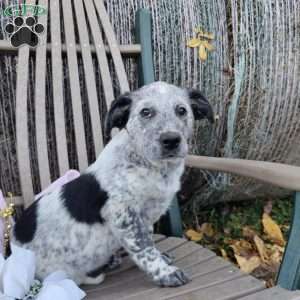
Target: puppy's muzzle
[(170, 143)]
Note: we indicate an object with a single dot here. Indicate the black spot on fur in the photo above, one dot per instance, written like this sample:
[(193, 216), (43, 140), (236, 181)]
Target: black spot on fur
[(25, 227), (117, 115), (200, 106), (84, 198)]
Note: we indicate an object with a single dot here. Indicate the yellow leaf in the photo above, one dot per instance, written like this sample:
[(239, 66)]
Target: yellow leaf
[(207, 229), (194, 235), (242, 248), (260, 245), (247, 265), (193, 43), (272, 230), (248, 232), (202, 53), (224, 254), (208, 46)]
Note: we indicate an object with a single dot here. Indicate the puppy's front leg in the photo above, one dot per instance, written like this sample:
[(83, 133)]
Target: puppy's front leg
[(134, 236)]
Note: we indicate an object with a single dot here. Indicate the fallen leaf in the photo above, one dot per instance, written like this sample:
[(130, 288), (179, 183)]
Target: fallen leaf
[(247, 265), (249, 232), (224, 254), (194, 235), (260, 245), (207, 229), (242, 248), (272, 230)]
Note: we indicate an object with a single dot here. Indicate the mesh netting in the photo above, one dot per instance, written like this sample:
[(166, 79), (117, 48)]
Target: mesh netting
[(252, 79)]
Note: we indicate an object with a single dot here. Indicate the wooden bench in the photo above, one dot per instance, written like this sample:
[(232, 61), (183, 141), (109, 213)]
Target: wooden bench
[(213, 278)]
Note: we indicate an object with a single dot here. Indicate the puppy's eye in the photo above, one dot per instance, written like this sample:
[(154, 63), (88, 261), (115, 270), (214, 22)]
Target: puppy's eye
[(147, 113), (181, 111)]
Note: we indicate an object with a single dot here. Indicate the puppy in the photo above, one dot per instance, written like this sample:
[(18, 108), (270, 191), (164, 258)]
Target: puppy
[(78, 228)]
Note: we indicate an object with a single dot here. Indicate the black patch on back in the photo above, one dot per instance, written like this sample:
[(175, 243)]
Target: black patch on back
[(83, 198), (25, 226)]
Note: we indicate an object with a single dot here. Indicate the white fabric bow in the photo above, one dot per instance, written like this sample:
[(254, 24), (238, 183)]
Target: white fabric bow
[(17, 277)]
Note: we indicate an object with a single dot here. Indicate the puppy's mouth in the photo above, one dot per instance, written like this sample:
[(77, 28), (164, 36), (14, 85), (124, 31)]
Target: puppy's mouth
[(172, 156)]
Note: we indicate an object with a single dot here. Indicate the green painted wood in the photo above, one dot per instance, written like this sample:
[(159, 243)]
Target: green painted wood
[(289, 273), (171, 223), (143, 35)]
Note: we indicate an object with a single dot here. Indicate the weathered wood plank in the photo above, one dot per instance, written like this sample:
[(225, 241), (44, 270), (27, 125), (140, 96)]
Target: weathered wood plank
[(227, 290), (143, 288), (90, 79), (40, 104), (113, 45), (276, 293), (163, 246), (133, 273), (22, 146), (75, 85), (57, 86), (130, 50), (100, 51)]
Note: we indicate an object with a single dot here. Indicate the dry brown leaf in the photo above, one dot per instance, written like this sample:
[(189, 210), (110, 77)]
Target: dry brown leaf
[(207, 229), (272, 230), (248, 232), (247, 265), (260, 245), (224, 254), (194, 235), (242, 248)]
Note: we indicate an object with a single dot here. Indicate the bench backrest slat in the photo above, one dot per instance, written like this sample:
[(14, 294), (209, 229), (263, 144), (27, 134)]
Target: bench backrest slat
[(40, 105), (100, 51), (89, 77), (113, 45), (57, 86), (21, 121), (75, 85)]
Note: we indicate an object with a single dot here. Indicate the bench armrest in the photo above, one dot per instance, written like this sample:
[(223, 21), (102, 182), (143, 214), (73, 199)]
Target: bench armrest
[(282, 175)]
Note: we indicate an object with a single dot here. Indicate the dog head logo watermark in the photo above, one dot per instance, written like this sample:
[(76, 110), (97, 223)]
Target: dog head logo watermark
[(23, 29)]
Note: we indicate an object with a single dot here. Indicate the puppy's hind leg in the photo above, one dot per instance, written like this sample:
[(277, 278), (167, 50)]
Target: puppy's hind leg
[(94, 277), (94, 280)]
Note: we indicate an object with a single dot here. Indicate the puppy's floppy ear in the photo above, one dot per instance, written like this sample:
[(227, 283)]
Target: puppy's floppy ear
[(200, 105), (117, 115)]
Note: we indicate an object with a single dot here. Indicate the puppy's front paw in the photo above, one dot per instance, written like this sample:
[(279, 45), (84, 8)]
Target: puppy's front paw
[(175, 277)]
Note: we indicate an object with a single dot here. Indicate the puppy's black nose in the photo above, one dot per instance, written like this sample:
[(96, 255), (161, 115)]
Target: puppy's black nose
[(170, 141)]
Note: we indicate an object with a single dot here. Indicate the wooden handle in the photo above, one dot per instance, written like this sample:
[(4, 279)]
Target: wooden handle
[(282, 175)]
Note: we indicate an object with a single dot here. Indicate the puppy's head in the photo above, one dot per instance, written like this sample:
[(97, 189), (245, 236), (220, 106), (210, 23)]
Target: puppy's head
[(159, 118)]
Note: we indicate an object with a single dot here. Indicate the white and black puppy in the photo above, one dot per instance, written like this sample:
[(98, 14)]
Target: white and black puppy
[(115, 202)]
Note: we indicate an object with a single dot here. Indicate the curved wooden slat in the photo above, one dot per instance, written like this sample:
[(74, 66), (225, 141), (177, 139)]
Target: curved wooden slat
[(23, 154), (89, 77), (101, 52), (40, 104), (75, 85), (113, 45), (282, 175), (57, 85)]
